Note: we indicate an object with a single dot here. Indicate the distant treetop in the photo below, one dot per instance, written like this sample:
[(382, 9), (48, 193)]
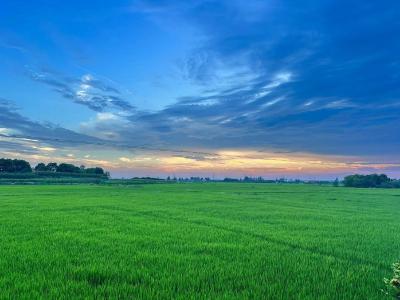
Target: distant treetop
[(21, 166), (370, 181), (14, 166)]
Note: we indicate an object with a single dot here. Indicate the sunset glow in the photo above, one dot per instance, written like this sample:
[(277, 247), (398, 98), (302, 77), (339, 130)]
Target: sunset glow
[(207, 88)]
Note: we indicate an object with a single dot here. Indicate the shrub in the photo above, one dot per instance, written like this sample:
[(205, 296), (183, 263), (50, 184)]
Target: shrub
[(393, 285)]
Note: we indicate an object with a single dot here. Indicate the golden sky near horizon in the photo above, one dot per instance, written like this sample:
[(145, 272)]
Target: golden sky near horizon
[(235, 162)]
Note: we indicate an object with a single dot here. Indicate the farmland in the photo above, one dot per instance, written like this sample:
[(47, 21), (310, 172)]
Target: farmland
[(200, 241)]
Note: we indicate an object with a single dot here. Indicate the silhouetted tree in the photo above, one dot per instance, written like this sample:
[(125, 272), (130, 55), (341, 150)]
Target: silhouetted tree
[(366, 181), (336, 182), (14, 166), (68, 168), (96, 170), (41, 167), (52, 167), (21, 166)]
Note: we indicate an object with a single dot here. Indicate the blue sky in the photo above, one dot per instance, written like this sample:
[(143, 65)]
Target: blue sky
[(232, 88)]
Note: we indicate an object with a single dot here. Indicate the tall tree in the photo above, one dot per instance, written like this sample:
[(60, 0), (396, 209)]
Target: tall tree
[(52, 167), (14, 166), (68, 168), (41, 167)]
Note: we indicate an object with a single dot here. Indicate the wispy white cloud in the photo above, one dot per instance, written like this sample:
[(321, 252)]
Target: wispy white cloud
[(86, 90), (342, 103)]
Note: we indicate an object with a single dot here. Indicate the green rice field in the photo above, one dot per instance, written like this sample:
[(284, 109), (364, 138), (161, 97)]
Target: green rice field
[(197, 241)]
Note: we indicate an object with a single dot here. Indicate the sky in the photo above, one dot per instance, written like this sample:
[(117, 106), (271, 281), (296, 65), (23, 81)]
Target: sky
[(230, 88)]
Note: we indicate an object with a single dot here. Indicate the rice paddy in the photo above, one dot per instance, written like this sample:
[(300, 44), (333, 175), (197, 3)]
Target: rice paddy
[(197, 241)]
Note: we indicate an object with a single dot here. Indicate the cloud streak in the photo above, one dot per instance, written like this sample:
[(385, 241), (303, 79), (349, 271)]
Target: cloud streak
[(86, 90), (267, 76)]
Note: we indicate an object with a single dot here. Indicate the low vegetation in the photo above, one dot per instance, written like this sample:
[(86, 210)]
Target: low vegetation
[(204, 241), (393, 284)]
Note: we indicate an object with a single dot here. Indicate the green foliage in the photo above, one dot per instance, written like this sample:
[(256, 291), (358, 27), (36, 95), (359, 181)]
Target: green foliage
[(52, 167), (393, 284), (96, 170), (41, 167), (68, 168), (368, 181), (392, 184), (336, 182), (21, 169), (196, 241), (14, 166)]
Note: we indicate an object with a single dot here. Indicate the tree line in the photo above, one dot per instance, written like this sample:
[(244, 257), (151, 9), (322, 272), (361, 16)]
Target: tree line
[(21, 166), (371, 181)]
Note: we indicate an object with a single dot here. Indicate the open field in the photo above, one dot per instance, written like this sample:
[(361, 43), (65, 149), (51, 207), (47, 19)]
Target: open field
[(215, 240)]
